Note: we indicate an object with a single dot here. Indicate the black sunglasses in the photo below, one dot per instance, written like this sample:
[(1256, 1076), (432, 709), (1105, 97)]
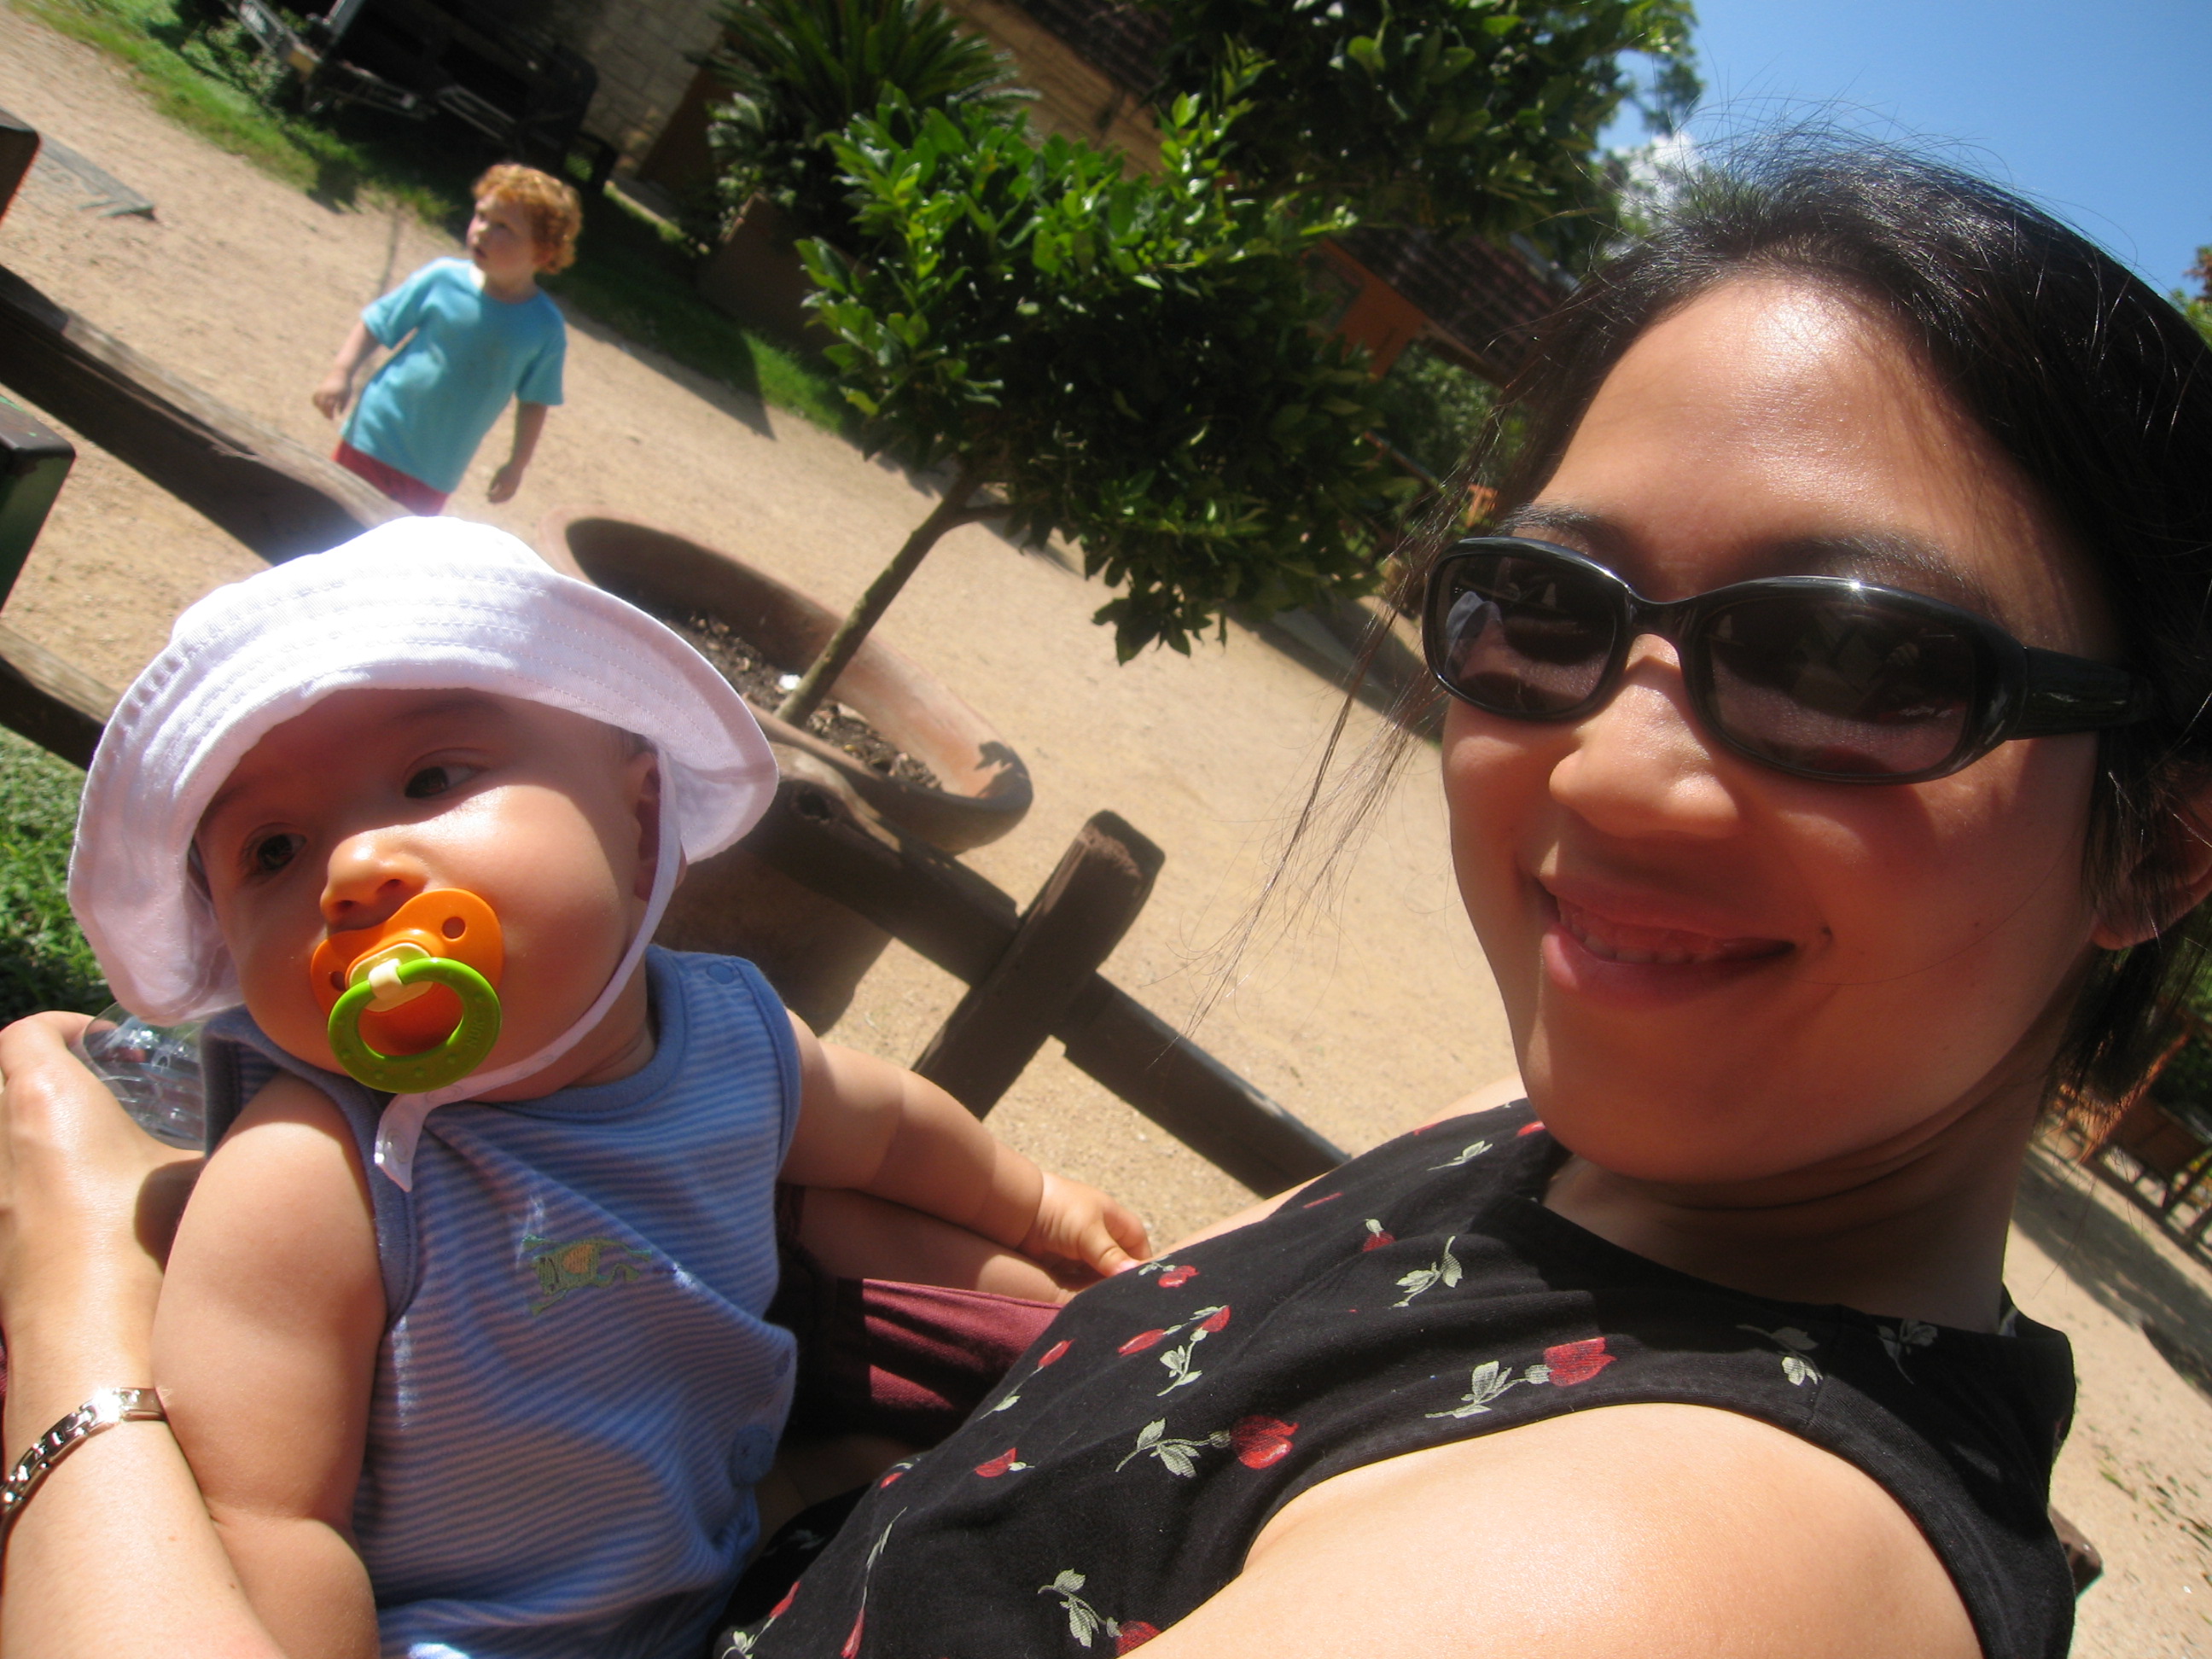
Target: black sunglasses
[(1819, 677)]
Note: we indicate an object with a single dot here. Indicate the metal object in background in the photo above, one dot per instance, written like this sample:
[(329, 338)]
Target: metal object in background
[(35, 458), (487, 63)]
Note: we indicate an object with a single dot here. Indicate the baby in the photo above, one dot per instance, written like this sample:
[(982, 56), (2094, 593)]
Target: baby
[(480, 1368)]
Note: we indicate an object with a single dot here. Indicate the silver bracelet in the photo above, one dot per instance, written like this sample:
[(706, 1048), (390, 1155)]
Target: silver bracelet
[(107, 1407)]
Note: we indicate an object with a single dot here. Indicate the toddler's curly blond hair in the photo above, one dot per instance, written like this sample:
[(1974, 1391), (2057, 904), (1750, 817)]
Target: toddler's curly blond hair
[(556, 212)]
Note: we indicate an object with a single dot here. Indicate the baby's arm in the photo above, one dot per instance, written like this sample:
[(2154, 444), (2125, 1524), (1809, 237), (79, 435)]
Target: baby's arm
[(869, 1125), (264, 1349), (529, 424), (337, 389)]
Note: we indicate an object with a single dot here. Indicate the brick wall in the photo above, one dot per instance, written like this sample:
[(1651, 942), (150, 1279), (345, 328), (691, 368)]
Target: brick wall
[(643, 51)]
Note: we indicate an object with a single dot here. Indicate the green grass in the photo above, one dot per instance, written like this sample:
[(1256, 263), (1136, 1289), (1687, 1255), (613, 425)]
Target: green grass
[(44, 961), (632, 273)]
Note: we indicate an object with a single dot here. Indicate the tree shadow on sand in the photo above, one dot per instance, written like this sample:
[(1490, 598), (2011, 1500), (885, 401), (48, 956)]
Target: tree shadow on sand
[(2124, 1272)]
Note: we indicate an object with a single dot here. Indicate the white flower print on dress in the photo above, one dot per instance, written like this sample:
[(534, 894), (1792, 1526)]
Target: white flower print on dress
[(1796, 1345), (1465, 1155), (1178, 1457), (1906, 1333), (1085, 1621), (1445, 1272), (1562, 1366)]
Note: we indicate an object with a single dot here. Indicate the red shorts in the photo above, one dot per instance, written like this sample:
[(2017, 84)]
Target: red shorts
[(408, 490), (908, 1361)]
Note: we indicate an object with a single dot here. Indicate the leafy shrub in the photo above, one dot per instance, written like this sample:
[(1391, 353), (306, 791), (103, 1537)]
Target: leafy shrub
[(1433, 410), (800, 71), (44, 960)]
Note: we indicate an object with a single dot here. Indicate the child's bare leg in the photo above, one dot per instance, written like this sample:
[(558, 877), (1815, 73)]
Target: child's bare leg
[(854, 1236)]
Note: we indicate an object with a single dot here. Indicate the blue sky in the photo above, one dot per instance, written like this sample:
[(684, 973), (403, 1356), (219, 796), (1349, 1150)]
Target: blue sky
[(2102, 112)]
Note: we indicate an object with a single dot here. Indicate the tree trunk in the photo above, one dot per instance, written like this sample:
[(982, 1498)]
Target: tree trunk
[(815, 685)]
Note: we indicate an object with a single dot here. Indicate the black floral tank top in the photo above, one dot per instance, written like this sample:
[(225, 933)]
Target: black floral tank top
[(1418, 1295)]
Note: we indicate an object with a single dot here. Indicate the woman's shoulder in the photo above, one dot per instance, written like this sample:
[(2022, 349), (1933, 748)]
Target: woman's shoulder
[(1737, 1537)]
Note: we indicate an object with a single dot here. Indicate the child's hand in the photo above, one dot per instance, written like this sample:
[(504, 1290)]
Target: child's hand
[(331, 395), (1079, 1223), (504, 483)]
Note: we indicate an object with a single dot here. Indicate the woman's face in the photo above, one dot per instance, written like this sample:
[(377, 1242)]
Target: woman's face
[(1715, 972)]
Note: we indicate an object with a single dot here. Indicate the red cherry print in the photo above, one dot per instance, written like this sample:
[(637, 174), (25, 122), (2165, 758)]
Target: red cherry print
[(1134, 1634), (1261, 1440), (1176, 1278), (1217, 1321), (1315, 1203), (852, 1642), (784, 1606), (1528, 1128), (1577, 1362), (998, 1466), (1377, 1239), (1051, 1353), (1140, 1341)]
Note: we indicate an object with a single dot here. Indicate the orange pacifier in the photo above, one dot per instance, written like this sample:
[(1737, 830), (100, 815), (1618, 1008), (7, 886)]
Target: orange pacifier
[(412, 1002)]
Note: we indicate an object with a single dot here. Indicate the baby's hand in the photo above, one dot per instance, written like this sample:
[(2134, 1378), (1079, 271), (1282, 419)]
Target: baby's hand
[(1079, 1223), (331, 396)]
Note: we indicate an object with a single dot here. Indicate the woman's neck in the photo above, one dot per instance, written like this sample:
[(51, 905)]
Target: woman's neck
[(1916, 1232)]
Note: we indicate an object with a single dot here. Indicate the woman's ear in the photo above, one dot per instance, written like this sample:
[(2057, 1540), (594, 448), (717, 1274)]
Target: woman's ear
[(2129, 918)]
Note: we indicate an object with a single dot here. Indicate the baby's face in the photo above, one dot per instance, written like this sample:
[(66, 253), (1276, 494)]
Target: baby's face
[(340, 815)]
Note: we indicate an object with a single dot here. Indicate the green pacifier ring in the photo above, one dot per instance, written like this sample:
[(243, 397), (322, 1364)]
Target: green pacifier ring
[(461, 1052)]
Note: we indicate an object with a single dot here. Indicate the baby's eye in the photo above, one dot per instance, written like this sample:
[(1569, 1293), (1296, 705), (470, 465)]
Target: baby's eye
[(429, 782), (272, 853)]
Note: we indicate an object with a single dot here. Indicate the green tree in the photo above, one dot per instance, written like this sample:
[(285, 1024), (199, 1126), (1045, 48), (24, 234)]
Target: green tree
[(798, 71), (2198, 306), (1128, 362), (1479, 113)]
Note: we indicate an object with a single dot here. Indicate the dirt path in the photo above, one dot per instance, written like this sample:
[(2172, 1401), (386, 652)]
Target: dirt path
[(1368, 1019)]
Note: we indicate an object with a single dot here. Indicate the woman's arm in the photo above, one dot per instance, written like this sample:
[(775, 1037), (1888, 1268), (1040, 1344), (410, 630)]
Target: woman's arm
[(1627, 1532), (116, 1554), (876, 1128)]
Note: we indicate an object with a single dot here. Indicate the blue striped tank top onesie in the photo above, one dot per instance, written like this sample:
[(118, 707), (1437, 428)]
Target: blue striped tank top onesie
[(577, 1388)]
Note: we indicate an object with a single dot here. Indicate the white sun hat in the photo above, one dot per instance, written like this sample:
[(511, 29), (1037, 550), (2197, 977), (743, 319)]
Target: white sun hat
[(420, 604)]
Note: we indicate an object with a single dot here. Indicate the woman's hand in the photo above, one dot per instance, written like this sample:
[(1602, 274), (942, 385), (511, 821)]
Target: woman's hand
[(116, 1554), (87, 1203)]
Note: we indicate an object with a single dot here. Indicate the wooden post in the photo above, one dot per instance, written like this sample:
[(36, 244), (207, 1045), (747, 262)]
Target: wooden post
[(1067, 933), (277, 497), (49, 701), (19, 147), (963, 924)]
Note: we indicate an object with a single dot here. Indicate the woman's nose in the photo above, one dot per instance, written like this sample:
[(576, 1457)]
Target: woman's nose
[(1640, 766), (369, 875)]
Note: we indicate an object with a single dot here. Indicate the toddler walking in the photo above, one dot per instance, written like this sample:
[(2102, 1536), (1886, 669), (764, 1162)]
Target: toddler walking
[(466, 336), (463, 1330)]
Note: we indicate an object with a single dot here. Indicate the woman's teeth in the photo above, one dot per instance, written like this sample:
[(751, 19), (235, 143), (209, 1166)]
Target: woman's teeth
[(1666, 947)]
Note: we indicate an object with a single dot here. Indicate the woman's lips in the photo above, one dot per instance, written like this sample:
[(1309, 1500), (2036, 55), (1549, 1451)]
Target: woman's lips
[(1609, 940), (1602, 961)]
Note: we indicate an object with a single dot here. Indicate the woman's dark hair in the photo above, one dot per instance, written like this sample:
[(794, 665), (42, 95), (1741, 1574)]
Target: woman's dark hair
[(2099, 389)]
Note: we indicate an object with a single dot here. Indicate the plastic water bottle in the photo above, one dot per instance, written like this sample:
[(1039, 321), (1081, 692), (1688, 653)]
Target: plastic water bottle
[(153, 1069)]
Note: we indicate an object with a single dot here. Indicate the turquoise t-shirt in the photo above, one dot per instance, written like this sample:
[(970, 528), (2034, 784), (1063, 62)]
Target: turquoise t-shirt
[(426, 410)]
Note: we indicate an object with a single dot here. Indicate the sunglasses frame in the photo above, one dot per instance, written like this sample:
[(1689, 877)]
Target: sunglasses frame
[(2021, 690)]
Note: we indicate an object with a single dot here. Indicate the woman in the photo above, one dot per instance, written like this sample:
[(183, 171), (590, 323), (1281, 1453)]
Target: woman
[(1803, 900)]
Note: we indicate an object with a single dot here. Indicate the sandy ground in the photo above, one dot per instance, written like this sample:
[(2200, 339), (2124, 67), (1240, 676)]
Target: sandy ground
[(1366, 1019)]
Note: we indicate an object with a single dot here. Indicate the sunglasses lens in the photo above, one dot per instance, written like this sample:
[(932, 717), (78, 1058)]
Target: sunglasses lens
[(1522, 636), (1840, 686)]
